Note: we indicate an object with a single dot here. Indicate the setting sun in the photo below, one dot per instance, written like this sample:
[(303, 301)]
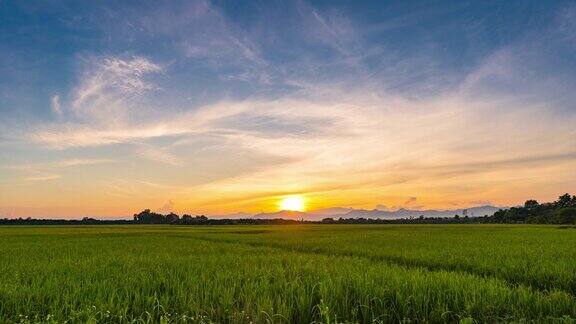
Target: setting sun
[(293, 203)]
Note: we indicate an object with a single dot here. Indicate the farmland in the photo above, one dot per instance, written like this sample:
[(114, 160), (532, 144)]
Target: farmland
[(302, 273)]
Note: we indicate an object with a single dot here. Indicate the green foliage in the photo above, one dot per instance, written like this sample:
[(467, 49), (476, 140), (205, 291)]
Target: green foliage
[(306, 273), (566, 215)]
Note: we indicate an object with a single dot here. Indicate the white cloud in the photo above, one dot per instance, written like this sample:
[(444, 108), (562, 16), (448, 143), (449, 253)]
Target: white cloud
[(115, 75), (55, 104), (109, 89)]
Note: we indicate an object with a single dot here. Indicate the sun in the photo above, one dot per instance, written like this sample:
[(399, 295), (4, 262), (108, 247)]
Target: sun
[(293, 203)]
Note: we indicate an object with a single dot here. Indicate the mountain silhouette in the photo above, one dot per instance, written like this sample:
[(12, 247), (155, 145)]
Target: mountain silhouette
[(337, 212)]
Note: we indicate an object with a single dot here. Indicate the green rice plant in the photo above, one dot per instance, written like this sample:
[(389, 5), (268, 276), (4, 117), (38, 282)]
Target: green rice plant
[(328, 274)]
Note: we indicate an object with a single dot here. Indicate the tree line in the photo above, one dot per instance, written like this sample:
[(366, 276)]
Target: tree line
[(561, 211), (148, 217)]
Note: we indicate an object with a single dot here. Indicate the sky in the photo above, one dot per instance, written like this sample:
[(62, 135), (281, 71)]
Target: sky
[(217, 107)]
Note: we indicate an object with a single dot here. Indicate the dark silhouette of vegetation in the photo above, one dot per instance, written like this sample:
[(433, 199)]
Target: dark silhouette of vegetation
[(148, 217), (83, 221), (561, 211)]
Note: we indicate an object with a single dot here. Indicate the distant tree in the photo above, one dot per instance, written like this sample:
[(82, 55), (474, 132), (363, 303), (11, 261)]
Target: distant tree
[(565, 215), (328, 220), (86, 220), (186, 219), (531, 204), (564, 201), (148, 217), (172, 218)]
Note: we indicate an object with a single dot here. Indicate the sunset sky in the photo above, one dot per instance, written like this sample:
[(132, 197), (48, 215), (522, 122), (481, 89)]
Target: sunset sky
[(217, 107)]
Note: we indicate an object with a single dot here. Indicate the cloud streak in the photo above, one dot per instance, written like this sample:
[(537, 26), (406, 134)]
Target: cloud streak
[(56, 106), (43, 177)]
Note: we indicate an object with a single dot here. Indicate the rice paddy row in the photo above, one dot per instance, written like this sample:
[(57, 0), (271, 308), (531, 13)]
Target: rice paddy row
[(286, 274)]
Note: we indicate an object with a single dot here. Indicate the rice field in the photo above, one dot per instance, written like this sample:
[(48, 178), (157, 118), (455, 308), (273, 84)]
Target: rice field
[(304, 273)]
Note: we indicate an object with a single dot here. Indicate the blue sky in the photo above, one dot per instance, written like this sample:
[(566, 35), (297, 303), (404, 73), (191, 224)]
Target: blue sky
[(223, 106)]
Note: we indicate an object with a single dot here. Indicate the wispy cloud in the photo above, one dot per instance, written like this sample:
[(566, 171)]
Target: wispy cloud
[(109, 90), (60, 164), (44, 171), (55, 104), (114, 75), (160, 155), (43, 177), (74, 135)]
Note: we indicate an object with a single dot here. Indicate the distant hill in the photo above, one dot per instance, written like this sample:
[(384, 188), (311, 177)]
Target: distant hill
[(406, 213), (332, 211), (338, 212), (238, 215), (286, 214)]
